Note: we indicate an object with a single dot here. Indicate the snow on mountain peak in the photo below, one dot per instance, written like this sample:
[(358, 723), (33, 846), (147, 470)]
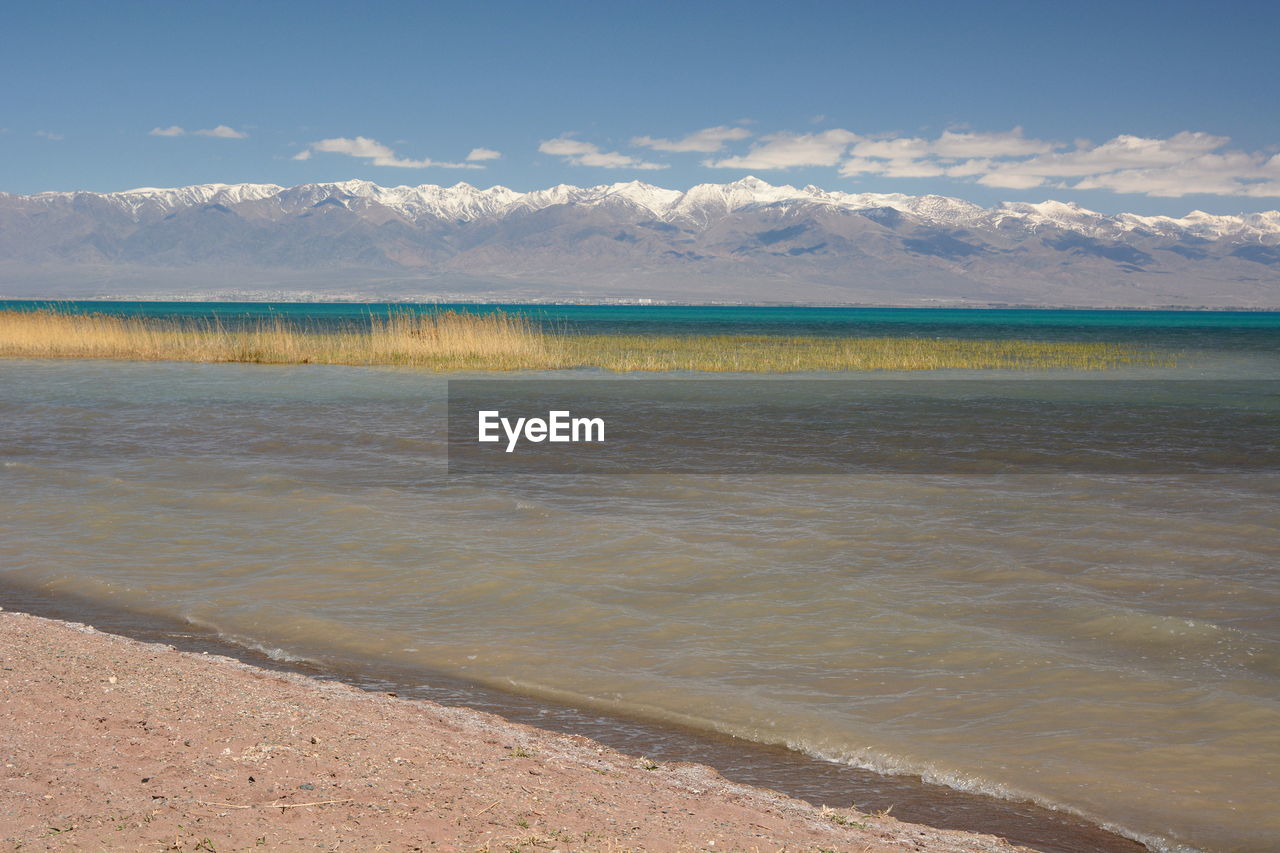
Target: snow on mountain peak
[(698, 206)]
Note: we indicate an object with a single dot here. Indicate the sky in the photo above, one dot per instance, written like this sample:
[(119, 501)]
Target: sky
[(1150, 107)]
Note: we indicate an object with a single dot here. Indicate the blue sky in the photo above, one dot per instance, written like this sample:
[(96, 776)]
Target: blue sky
[(1151, 107)]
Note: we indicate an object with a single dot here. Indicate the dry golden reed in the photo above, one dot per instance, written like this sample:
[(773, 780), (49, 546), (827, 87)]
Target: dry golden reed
[(454, 340)]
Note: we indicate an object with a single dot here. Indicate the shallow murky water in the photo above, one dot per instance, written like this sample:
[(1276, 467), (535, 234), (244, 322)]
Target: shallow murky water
[(1103, 644)]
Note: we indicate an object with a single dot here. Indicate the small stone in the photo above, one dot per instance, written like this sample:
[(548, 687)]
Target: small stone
[(111, 680), (315, 739), (306, 786)]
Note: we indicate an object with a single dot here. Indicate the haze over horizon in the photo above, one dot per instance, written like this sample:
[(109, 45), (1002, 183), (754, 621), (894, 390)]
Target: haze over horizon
[(1155, 109)]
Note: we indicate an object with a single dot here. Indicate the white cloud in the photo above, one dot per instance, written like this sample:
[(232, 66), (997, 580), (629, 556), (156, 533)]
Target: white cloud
[(376, 153), (47, 134), (1231, 173), (1123, 152), (895, 157), (483, 154), (1010, 181), (909, 168), (970, 168), (949, 154), (897, 167), (579, 153), (891, 149), (790, 150), (856, 166), (1185, 164), (219, 132), (706, 140), (222, 132), (952, 144)]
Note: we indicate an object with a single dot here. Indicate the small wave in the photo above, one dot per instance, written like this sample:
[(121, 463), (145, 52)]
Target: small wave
[(274, 653), (888, 765), (875, 761)]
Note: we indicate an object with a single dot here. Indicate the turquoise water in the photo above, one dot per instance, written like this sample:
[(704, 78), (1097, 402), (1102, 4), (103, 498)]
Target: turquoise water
[(1233, 329)]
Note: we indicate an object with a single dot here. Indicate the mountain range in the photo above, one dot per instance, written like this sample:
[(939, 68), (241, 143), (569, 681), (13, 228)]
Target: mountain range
[(745, 241)]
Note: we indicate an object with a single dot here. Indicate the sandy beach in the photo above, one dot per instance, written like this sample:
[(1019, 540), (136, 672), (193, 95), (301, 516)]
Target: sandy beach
[(114, 744)]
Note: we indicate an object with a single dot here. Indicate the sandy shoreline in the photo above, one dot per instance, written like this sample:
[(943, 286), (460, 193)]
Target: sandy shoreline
[(110, 743)]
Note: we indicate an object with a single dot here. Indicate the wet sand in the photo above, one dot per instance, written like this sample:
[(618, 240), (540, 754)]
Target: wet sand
[(110, 743)]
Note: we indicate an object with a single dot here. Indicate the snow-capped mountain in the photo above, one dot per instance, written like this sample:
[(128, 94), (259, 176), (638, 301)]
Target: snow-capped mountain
[(701, 204), (746, 240)]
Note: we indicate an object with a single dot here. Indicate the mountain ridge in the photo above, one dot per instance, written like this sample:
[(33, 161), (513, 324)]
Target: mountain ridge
[(417, 201), (739, 241)]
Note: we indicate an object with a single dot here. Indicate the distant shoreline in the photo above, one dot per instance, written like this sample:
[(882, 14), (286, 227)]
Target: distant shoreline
[(296, 299)]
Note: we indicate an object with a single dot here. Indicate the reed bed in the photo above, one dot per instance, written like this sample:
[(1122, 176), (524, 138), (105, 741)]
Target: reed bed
[(451, 340), (775, 354)]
